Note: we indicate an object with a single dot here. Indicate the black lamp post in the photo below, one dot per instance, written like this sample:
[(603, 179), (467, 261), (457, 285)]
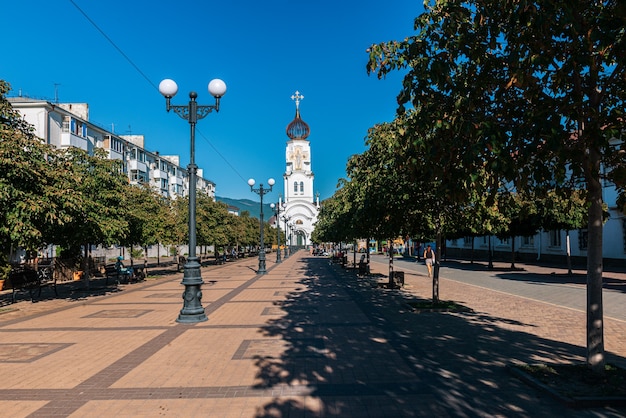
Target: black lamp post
[(261, 191), (192, 310), (285, 219), (276, 208)]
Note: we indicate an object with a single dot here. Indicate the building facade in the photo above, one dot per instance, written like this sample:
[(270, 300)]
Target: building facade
[(64, 125), (552, 246), (300, 206)]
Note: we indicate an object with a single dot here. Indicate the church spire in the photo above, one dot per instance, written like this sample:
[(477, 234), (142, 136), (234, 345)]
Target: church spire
[(298, 129), (297, 97)]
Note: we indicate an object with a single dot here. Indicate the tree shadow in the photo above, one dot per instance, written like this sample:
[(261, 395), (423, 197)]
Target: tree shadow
[(355, 351)]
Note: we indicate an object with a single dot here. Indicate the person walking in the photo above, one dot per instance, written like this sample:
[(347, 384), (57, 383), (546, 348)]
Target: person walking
[(429, 257)]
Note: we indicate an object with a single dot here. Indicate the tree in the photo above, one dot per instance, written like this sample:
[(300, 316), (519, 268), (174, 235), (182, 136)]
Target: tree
[(34, 193), (100, 217), (547, 79), (147, 215), (523, 220), (211, 221), (563, 209)]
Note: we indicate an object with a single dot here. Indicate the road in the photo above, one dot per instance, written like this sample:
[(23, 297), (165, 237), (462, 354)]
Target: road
[(545, 284)]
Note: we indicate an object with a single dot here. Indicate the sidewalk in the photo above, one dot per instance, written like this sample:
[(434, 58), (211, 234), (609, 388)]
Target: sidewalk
[(308, 339)]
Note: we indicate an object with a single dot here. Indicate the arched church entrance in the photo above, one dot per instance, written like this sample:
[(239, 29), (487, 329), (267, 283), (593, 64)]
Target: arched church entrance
[(300, 239)]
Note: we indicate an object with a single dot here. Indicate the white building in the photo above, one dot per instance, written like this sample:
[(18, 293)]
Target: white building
[(554, 245), (299, 208), (65, 125)]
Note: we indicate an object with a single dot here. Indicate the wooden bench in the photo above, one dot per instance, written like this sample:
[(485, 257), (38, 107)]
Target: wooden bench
[(33, 280)]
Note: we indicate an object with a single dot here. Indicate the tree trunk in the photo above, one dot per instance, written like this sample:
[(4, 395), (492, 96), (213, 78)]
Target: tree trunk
[(390, 253), (436, 269), (85, 267), (595, 324), (489, 256), (512, 253), (569, 253)]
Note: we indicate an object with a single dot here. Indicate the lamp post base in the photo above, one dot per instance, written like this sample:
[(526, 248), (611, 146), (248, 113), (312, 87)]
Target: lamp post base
[(262, 269), (192, 311)]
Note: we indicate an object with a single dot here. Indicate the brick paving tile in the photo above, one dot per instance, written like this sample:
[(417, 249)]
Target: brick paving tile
[(307, 339)]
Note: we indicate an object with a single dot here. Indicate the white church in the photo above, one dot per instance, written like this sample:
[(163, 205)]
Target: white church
[(299, 207)]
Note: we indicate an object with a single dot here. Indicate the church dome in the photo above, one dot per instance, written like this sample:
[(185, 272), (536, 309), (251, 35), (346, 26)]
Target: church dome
[(298, 129)]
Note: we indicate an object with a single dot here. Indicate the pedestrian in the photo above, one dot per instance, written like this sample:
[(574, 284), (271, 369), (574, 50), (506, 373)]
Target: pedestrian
[(429, 257), (123, 270)]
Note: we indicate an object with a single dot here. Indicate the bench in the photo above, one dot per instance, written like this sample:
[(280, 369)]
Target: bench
[(111, 272), (33, 280)]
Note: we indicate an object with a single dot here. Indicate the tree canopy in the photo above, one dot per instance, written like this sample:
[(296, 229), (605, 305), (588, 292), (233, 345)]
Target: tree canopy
[(529, 92)]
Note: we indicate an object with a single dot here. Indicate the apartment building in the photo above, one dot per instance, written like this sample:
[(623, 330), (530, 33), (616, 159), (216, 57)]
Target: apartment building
[(65, 125)]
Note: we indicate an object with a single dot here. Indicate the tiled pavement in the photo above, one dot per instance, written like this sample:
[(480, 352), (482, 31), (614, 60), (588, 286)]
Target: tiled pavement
[(307, 339)]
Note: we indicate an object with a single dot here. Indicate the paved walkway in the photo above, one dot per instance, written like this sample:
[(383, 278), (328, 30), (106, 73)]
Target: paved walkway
[(308, 339)]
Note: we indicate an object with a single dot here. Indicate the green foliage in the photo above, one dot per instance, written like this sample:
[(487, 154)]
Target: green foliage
[(147, 214), (530, 94), (211, 220), (32, 177), (136, 252), (70, 198), (99, 187)]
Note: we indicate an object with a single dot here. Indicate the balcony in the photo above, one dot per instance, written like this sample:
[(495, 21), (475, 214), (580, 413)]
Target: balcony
[(159, 174), (136, 165), (176, 180), (70, 140)]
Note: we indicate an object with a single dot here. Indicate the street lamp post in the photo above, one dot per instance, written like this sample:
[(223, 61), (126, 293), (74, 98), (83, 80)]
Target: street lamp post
[(276, 208), (192, 310), (285, 219), (261, 191)]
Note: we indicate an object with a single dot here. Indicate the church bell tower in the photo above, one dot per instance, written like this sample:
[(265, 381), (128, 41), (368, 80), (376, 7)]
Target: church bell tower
[(299, 205)]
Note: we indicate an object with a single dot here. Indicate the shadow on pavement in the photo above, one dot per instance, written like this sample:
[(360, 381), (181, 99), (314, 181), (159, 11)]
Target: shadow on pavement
[(361, 353)]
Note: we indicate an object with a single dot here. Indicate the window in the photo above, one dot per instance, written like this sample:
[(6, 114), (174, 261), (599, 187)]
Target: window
[(467, 241), (528, 241), (117, 145), (302, 187), (295, 187), (555, 238)]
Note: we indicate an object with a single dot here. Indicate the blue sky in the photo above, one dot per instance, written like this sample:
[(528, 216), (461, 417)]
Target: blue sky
[(263, 50)]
